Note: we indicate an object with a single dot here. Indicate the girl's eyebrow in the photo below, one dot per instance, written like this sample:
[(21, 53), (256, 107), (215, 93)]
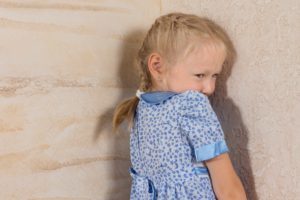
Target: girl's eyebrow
[(208, 71)]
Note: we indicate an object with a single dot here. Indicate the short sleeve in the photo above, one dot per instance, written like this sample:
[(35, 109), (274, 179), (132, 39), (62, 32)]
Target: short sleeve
[(200, 125)]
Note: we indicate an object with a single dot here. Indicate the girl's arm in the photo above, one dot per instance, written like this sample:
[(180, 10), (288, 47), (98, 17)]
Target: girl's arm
[(226, 183)]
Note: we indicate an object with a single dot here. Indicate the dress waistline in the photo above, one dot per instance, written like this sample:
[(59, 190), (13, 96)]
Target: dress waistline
[(143, 185)]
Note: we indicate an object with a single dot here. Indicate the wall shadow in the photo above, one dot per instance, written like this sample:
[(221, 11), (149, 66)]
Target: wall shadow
[(236, 132), (127, 82)]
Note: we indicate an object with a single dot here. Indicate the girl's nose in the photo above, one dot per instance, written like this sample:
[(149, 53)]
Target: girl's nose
[(209, 88)]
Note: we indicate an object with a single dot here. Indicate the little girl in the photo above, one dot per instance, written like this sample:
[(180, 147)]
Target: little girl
[(177, 145)]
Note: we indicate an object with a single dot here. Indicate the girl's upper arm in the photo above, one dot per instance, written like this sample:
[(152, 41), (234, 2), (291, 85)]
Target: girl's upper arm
[(201, 127), (226, 183)]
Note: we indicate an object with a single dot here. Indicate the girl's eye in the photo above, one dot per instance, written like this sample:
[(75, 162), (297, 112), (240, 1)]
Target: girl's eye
[(200, 75), (215, 75)]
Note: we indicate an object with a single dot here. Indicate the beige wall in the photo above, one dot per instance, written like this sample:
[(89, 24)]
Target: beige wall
[(65, 64)]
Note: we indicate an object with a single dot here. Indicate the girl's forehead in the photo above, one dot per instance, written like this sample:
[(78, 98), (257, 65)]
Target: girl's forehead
[(206, 47), (198, 50), (206, 51)]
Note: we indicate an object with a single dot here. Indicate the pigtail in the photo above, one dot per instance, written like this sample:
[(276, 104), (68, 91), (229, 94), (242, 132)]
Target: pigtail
[(125, 111)]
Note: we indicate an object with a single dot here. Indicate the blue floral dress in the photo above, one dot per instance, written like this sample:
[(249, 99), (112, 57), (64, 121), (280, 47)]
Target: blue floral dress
[(173, 133)]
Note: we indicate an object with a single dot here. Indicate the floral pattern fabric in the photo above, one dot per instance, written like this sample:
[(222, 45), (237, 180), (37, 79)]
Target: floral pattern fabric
[(173, 134)]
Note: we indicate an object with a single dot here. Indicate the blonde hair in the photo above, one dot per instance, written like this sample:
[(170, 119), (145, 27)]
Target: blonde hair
[(171, 36)]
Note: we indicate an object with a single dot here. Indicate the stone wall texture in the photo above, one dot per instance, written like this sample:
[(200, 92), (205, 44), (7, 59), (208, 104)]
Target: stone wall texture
[(64, 65)]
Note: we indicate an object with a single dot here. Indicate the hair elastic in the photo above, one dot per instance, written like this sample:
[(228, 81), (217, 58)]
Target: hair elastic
[(139, 93)]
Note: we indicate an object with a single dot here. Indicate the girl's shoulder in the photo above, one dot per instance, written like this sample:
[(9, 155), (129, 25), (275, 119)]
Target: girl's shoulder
[(193, 98), (193, 103), (192, 95)]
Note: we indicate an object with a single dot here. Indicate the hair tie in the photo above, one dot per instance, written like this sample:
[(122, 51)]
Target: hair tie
[(139, 93)]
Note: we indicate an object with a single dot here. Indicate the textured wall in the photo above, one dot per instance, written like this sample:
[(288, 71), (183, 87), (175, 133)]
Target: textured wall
[(65, 64), (60, 66)]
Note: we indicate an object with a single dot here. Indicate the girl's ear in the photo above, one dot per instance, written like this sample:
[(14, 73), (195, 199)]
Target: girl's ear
[(155, 65)]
